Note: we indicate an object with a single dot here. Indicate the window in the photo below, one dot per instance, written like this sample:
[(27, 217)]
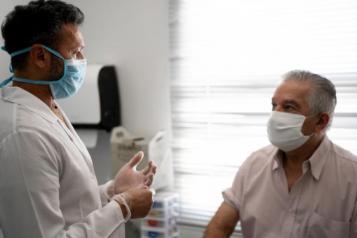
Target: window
[(226, 59)]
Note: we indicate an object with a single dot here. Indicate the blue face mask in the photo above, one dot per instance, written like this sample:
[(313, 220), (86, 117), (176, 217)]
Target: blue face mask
[(69, 84)]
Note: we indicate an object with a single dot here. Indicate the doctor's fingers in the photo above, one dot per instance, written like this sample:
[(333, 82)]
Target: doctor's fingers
[(136, 159), (150, 168), (149, 179)]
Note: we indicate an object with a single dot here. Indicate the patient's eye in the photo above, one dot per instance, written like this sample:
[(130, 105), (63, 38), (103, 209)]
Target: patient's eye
[(289, 107)]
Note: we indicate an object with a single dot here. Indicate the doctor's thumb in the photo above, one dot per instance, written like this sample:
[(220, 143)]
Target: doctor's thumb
[(136, 159)]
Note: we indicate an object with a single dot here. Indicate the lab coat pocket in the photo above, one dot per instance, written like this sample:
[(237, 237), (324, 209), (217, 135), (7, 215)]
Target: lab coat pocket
[(322, 227)]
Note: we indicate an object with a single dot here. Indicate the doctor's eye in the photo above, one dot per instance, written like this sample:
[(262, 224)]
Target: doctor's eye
[(78, 54)]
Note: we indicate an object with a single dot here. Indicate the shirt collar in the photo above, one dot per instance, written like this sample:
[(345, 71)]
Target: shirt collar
[(319, 158), (316, 161), (277, 159), (20, 96)]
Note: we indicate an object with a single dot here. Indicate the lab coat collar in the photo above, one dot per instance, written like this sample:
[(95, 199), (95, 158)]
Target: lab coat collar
[(22, 97)]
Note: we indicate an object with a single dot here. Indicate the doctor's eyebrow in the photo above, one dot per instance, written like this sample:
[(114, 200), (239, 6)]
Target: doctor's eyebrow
[(77, 49)]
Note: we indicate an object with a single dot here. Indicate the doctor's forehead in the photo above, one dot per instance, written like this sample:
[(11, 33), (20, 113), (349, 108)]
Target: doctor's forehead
[(71, 37)]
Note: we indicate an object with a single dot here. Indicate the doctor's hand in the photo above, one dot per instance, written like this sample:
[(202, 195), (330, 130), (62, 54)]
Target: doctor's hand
[(128, 177), (139, 201)]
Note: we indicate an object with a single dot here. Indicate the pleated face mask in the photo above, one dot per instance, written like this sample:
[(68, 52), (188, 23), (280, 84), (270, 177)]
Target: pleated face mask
[(70, 82), (284, 130)]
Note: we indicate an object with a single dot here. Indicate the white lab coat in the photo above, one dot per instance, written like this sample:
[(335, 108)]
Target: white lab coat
[(48, 187)]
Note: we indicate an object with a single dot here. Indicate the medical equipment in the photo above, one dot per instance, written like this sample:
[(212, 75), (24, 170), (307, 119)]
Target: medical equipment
[(161, 222)]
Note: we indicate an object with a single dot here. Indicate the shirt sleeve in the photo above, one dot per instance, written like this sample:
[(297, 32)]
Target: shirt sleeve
[(234, 195), (29, 194)]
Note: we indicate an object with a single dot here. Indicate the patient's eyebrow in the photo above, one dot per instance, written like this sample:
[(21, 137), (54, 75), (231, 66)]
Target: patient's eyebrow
[(292, 102)]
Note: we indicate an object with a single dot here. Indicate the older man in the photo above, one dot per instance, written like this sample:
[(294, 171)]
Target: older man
[(48, 187), (301, 186)]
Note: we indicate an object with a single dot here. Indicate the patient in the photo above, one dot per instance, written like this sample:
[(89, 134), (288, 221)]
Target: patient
[(301, 186)]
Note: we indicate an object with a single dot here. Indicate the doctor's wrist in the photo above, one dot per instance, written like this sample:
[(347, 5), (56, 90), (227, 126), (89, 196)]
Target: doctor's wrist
[(109, 192), (124, 206)]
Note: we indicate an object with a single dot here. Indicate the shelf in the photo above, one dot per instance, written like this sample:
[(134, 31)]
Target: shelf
[(161, 221)]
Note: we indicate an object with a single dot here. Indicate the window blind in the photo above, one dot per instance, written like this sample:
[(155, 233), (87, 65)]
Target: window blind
[(226, 60)]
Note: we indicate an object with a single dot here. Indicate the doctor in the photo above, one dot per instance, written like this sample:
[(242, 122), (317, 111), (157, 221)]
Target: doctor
[(48, 186)]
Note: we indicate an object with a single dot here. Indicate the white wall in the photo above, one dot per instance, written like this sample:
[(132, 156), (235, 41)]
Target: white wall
[(133, 35)]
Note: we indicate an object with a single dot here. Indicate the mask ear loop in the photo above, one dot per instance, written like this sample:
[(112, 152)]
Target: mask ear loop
[(65, 62), (10, 66), (19, 52), (6, 81), (318, 116)]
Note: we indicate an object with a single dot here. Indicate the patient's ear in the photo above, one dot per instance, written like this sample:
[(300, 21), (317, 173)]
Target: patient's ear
[(322, 122)]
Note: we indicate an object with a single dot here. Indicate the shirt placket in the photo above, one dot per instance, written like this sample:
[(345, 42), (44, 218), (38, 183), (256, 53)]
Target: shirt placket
[(291, 224)]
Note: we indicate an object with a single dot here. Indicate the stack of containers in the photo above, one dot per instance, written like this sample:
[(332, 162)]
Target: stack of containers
[(161, 222)]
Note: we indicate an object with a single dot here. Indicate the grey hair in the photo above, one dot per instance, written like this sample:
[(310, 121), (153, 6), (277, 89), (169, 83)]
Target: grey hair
[(322, 96)]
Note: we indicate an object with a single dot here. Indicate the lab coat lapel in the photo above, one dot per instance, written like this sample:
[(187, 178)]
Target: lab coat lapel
[(19, 96), (77, 141)]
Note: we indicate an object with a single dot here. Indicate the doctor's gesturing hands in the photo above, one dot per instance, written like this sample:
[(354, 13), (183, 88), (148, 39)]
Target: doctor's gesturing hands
[(134, 185), (128, 177)]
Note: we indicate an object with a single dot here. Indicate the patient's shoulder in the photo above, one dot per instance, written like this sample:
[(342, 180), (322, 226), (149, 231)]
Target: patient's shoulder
[(260, 159), (262, 154)]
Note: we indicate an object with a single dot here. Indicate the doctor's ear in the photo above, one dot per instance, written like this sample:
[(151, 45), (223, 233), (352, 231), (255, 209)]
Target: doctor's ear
[(322, 121), (39, 56)]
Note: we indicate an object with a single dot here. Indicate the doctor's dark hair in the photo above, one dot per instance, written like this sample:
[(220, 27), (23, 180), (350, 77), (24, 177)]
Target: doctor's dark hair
[(37, 22), (322, 96)]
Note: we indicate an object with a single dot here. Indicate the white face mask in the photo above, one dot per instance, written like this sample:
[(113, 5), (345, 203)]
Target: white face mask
[(284, 130)]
